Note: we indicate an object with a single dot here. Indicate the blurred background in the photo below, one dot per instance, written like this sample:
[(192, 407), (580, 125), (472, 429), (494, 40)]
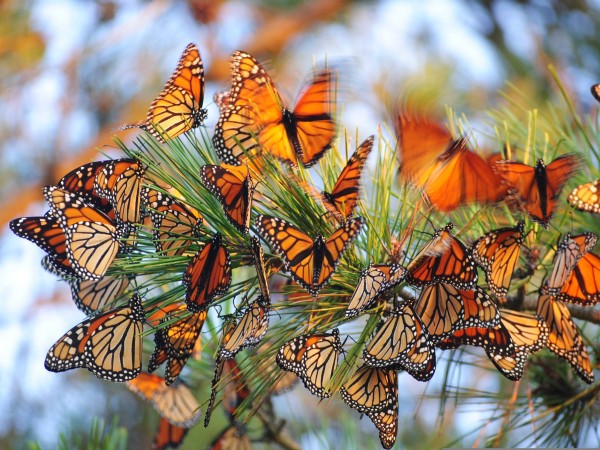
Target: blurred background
[(73, 71)]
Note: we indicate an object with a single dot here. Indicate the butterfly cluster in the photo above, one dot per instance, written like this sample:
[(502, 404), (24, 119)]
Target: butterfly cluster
[(100, 212)]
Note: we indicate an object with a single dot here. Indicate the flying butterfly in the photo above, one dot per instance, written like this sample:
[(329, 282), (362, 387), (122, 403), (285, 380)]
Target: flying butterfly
[(343, 198), (120, 182), (178, 108), (233, 187), (313, 358), (92, 238), (398, 336), (583, 284), (497, 252), (46, 233), (175, 342), (175, 223), (95, 295), (444, 259), (464, 177), (253, 117), (108, 345), (444, 310), (569, 253), (529, 334), (424, 144), (370, 389), (175, 403), (585, 197), (208, 275), (564, 339), (538, 188), (310, 261), (374, 280)]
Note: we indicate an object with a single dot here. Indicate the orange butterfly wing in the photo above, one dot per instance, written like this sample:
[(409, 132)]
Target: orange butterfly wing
[(583, 284), (585, 197)]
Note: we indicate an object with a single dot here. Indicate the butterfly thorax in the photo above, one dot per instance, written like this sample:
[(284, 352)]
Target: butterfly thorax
[(290, 124), (319, 254), (542, 182)]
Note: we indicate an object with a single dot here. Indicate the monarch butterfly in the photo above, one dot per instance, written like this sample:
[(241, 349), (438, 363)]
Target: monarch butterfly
[(261, 272), (174, 343), (233, 188), (108, 345), (310, 261), (424, 145), (585, 197), (370, 389), (253, 116), (444, 309), (168, 435), (91, 296), (497, 252), (529, 334), (564, 339), (583, 284), (444, 259), (208, 275), (82, 180), (178, 108), (568, 254), (174, 222), (175, 403), (399, 334), (538, 188), (235, 389), (464, 177), (595, 89), (313, 358), (345, 193), (386, 422), (120, 182), (373, 281), (232, 438), (495, 340), (46, 233), (92, 239)]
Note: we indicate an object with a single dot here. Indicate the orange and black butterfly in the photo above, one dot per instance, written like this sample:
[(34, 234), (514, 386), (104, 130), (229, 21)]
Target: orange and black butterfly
[(343, 198), (175, 403), (120, 182), (233, 437), (82, 181), (91, 237), (178, 108), (529, 334), (583, 284), (538, 188), (46, 233), (310, 261), (261, 271), (397, 337), (464, 177), (585, 197), (175, 224), (595, 89), (248, 331), (313, 358), (253, 117), (444, 310), (370, 389), (564, 339), (424, 145), (95, 295), (374, 280), (233, 187), (497, 252), (444, 259), (168, 435), (495, 340), (108, 345), (569, 253), (208, 275), (175, 342)]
